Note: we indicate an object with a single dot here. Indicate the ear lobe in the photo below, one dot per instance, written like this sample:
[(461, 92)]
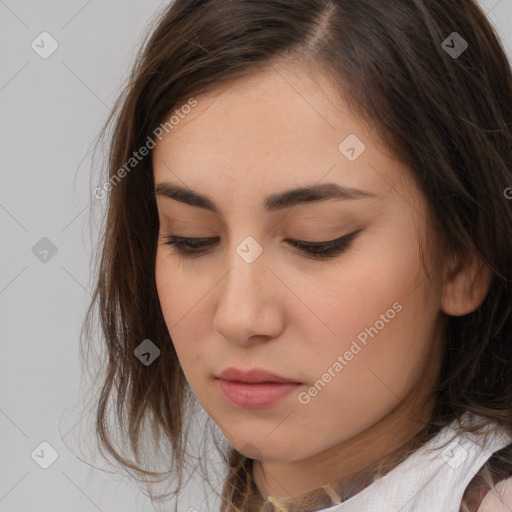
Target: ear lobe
[(466, 286)]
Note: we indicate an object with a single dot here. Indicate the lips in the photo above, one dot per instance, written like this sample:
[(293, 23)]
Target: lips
[(253, 376), (256, 388)]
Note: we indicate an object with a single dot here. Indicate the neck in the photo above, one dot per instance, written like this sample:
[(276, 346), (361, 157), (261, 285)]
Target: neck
[(343, 465)]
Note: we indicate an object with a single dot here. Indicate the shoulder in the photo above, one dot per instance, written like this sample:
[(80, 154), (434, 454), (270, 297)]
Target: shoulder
[(490, 490), (499, 498)]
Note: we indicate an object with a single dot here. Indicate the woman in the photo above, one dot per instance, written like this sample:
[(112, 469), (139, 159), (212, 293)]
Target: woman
[(309, 228)]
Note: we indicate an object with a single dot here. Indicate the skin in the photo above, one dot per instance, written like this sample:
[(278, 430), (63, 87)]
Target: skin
[(265, 133)]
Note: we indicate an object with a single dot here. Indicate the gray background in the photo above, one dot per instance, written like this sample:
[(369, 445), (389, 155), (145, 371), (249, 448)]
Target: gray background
[(51, 110)]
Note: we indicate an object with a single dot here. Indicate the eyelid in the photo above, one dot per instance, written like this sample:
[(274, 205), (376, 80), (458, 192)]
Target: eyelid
[(198, 238), (318, 251), (322, 242)]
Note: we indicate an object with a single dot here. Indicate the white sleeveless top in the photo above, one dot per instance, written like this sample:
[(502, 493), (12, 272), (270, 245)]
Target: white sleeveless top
[(430, 479)]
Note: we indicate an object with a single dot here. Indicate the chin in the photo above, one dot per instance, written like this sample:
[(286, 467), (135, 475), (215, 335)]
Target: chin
[(275, 450)]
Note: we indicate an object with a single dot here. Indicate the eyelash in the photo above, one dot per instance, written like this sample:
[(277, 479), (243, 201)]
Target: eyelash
[(314, 250)]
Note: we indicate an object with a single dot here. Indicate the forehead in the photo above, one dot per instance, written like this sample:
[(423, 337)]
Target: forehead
[(279, 127)]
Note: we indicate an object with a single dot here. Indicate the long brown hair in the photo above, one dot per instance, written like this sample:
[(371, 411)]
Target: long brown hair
[(448, 117)]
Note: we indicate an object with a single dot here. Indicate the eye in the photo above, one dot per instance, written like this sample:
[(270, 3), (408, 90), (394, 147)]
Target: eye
[(188, 246), (193, 247), (325, 250)]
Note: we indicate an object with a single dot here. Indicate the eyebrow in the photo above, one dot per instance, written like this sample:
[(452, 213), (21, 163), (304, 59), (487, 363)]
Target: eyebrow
[(273, 202)]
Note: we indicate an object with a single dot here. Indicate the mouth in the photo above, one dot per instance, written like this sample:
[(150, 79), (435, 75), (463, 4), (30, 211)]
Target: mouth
[(256, 388), (254, 376)]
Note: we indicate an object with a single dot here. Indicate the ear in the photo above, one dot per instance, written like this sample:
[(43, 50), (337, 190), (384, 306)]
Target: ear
[(465, 287)]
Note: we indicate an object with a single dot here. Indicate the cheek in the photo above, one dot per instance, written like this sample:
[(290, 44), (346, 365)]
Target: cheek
[(374, 312), (180, 291), (352, 295), (181, 304)]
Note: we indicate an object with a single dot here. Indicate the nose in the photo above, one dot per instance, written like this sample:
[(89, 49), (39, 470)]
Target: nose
[(248, 308)]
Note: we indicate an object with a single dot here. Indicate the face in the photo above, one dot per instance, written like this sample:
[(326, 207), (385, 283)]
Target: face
[(353, 329)]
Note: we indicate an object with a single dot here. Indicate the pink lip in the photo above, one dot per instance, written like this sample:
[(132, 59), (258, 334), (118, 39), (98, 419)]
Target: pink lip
[(255, 396), (256, 388), (253, 376)]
